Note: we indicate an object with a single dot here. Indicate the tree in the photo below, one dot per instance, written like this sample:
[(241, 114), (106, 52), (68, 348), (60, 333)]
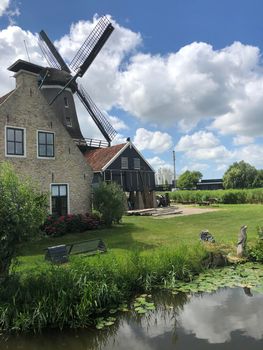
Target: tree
[(22, 211), (258, 182), (240, 175), (109, 199), (188, 179)]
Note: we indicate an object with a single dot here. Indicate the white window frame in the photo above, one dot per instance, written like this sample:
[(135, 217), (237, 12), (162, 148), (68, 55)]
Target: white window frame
[(50, 132), (24, 141), (124, 159), (134, 163), (50, 199)]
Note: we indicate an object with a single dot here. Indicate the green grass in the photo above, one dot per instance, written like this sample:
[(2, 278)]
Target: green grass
[(146, 233), (144, 253)]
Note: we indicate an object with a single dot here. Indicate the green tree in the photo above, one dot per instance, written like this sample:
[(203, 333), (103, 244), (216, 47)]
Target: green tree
[(109, 199), (188, 179), (22, 210), (259, 179), (240, 175)]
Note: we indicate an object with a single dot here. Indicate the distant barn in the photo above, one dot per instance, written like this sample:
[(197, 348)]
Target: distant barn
[(210, 184)]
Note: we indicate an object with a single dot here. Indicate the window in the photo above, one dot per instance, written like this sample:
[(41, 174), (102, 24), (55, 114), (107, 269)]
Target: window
[(59, 197), (66, 104), (45, 144), (136, 163), (15, 142), (68, 121), (124, 162)]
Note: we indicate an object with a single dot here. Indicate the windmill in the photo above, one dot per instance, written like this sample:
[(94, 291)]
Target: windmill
[(60, 71)]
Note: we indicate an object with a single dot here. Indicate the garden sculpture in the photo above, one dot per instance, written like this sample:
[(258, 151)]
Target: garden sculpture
[(206, 236), (242, 239)]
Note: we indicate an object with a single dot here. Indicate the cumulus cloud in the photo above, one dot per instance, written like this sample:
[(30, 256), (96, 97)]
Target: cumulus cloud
[(181, 88), (4, 4), (12, 48), (202, 145), (156, 141), (200, 139), (194, 83), (117, 123), (242, 140), (156, 162), (195, 167)]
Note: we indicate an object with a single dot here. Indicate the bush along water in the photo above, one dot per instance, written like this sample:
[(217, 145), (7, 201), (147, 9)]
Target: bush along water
[(60, 225), (77, 294)]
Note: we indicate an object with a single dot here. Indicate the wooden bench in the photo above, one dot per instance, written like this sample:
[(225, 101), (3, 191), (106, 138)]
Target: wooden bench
[(57, 254), (91, 246), (60, 254)]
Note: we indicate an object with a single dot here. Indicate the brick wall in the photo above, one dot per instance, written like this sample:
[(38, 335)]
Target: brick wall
[(26, 107)]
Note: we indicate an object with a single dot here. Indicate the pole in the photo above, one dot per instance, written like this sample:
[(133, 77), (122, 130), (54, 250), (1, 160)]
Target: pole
[(174, 169)]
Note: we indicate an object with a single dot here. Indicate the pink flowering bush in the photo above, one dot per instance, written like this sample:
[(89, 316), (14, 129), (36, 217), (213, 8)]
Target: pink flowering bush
[(60, 225)]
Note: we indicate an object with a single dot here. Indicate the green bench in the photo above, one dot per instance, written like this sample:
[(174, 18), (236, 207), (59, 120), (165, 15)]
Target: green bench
[(59, 254)]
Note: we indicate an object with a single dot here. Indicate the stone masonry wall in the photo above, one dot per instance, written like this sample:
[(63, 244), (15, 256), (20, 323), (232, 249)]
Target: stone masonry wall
[(27, 108)]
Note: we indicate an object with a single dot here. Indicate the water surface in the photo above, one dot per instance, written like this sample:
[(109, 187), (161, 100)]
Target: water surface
[(227, 319)]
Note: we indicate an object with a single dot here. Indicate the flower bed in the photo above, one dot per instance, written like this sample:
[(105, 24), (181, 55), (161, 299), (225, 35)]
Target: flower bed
[(60, 225)]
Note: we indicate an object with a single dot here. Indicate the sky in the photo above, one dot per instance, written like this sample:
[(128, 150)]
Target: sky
[(183, 75)]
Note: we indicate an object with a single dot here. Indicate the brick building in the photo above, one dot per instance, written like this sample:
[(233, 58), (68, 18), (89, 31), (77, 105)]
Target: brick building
[(39, 140)]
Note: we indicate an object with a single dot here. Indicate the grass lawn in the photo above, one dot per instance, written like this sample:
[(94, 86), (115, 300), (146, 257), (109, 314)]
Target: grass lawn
[(147, 233)]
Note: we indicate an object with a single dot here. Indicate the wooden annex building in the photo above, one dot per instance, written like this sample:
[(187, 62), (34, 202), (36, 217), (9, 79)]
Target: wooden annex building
[(125, 165)]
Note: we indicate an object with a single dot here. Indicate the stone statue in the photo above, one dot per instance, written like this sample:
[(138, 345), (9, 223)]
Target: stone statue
[(242, 239)]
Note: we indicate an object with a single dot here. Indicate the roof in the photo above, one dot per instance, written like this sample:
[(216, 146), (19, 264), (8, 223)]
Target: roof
[(3, 98), (28, 66), (98, 158)]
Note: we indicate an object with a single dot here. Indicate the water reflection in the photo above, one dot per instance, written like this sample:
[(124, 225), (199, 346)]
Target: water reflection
[(216, 316), (223, 320)]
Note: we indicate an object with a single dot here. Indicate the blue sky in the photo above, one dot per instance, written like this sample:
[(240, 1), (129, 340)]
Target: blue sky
[(176, 74)]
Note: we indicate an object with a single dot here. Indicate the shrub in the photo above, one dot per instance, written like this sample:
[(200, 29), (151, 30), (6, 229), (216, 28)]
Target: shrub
[(109, 201), (256, 252), (22, 210), (60, 225)]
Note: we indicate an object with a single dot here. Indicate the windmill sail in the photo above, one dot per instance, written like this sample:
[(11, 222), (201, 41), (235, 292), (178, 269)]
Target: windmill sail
[(103, 124), (92, 46), (51, 53)]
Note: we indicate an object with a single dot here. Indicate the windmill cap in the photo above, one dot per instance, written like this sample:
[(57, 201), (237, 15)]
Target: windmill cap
[(24, 65)]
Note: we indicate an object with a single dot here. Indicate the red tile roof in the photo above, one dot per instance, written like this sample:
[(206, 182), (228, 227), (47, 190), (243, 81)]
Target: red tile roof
[(3, 98), (98, 158)]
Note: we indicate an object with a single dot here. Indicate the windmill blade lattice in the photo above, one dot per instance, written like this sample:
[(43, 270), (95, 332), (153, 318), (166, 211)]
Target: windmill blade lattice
[(103, 124), (92, 46), (51, 53)]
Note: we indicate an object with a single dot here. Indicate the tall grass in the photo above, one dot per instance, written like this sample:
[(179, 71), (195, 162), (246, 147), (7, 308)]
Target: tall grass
[(74, 295), (252, 196)]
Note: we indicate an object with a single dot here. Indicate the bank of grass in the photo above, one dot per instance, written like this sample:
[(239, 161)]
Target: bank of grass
[(143, 253), (74, 295)]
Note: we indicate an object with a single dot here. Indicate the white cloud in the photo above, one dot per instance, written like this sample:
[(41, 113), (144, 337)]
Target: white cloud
[(156, 162), (4, 4), (194, 83), (252, 154), (117, 123), (12, 48), (242, 140), (195, 167), (202, 145), (156, 141), (200, 139)]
